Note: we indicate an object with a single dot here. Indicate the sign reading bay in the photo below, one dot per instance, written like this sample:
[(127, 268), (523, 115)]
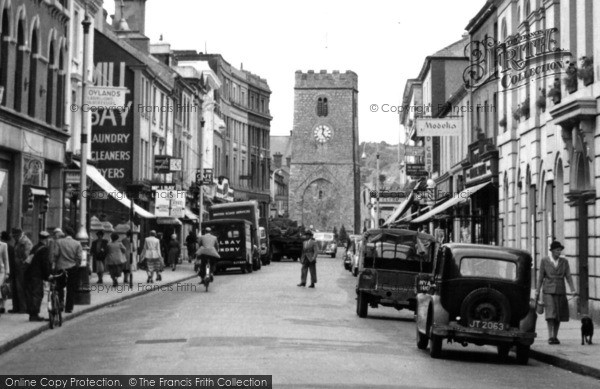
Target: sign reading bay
[(105, 96), (439, 126)]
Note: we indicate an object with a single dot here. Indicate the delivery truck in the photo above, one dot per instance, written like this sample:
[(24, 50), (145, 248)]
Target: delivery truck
[(244, 210)]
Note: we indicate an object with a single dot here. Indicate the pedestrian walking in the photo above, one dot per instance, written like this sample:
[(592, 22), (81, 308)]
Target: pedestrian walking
[(163, 255), (552, 274), (115, 258), (152, 255), (38, 270), (5, 252), (68, 255), (191, 242), (126, 241), (98, 252), (174, 252), (23, 248), (309, 260)]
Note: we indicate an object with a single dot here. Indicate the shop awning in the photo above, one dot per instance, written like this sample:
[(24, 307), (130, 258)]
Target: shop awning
[(460, 198), (168, 221), (400, 210), (189, 214), (106, 186)]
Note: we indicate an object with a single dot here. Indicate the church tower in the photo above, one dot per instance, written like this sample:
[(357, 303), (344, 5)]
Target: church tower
[(324, 173)]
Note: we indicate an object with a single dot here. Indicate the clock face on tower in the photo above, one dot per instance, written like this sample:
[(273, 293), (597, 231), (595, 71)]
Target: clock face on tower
[(322, 133)]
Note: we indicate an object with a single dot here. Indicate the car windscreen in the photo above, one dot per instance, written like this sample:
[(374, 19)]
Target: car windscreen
[(488, 268), (409, 255), (322, 236)]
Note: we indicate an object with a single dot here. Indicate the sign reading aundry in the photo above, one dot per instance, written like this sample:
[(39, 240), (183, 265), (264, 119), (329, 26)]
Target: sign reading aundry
[(439, 127)]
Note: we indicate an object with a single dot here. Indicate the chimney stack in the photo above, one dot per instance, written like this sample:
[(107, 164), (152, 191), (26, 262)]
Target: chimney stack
[(134, 12)]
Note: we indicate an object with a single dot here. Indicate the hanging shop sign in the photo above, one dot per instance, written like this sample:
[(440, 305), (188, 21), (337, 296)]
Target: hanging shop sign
[(108, 97), (439, 126)]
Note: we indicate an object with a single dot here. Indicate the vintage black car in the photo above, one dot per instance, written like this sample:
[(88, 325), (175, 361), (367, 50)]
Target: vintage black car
[(477, 294), (390, 259)]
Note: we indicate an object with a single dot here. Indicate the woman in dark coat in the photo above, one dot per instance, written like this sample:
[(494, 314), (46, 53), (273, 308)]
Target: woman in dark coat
[(174, 250), (553, 272), (115, 258)]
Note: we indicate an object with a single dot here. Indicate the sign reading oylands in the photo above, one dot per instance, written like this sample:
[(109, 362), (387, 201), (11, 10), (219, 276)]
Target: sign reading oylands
[(518, 60)]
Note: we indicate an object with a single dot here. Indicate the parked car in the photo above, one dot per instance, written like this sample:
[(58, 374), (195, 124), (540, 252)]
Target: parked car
[(326, 243), (477, 294), (390, 260)]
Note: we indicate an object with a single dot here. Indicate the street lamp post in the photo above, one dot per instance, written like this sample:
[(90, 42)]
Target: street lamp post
[(378, 209), (83, 293)]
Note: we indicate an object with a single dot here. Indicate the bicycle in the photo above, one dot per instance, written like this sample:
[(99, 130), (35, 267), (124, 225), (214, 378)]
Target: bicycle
[(54, 304), (208, 277)]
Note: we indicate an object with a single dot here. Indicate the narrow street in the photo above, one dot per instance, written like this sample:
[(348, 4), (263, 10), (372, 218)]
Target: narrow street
[(262, 323)]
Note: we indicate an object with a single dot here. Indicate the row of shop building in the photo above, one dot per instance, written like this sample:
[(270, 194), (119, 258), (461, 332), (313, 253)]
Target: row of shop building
[(511, 157), (187, 117)]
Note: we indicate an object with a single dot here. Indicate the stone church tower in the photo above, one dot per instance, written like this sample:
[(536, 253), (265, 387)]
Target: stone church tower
[(324, 172)]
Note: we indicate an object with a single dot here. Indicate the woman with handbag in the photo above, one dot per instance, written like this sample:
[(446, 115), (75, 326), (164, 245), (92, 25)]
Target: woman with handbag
[(115, 257), (151, 255), (554, 270)]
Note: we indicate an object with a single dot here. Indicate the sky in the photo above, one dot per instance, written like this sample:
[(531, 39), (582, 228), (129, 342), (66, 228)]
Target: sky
[(384, 41)]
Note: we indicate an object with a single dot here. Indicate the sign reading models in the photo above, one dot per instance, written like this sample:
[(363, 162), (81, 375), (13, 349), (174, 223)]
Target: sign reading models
[(439, 127)]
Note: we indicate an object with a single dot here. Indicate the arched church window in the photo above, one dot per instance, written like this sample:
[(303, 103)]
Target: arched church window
[(322, 109)]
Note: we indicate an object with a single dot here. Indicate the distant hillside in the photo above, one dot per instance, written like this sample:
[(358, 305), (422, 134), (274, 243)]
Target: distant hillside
[(388, 164)]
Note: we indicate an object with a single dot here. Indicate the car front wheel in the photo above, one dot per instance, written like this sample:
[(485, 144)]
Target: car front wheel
[(362, 305), (522, 354), (422, 340), (503, 350), (435, 346)]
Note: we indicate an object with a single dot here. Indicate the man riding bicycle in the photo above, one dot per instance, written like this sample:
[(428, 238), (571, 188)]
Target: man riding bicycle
[(208, 251)]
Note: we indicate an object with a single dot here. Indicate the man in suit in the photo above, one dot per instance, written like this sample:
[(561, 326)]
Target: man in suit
[(37, 271), (309, 260), (68, 255)]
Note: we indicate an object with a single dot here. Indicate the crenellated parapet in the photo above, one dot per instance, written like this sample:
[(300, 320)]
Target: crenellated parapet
[(324, 79)]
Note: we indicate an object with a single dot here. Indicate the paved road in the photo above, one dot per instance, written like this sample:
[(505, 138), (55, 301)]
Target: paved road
[(261, 323)]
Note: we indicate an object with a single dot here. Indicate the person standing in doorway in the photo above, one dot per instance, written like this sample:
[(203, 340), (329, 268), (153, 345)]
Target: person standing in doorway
[(309, 260), (554, 270), (23, 248), (68, 257), (37, 271), (98, 252)]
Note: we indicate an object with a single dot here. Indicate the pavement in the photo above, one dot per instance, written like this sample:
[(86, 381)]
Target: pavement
[(16, 329), (569, 354)]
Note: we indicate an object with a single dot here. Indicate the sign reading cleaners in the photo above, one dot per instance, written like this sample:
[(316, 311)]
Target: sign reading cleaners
[(112, 129)]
